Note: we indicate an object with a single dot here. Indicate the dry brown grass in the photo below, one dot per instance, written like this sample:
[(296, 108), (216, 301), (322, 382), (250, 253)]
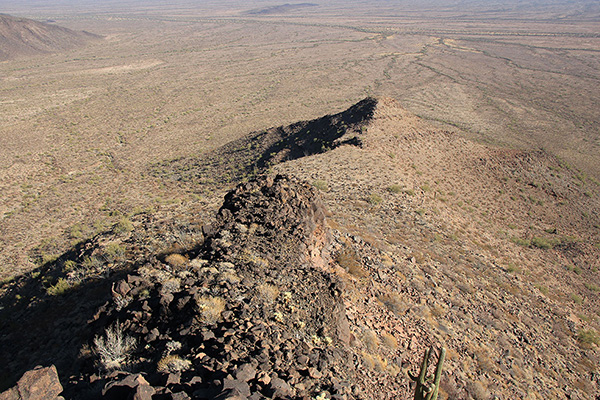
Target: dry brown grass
[(177, 261)]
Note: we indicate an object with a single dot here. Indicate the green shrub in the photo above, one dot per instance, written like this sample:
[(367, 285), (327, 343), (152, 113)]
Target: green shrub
[(374, 198), (576, 298), (588, 337), (123, 226), (512, 268), (114, 252), (321, 185), (69, 266), (61, 287), (394, 189), (542, 289), (543, 243), (520, 242), (573, 268)]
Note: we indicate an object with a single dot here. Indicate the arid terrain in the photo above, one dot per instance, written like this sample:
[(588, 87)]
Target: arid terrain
[(453, 150)]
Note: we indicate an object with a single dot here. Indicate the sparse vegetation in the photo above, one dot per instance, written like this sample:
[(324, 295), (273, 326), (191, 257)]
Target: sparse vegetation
[(97, 136)]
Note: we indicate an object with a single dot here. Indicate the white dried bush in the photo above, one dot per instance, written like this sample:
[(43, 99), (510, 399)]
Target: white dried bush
[(114, 347), (173, 363)]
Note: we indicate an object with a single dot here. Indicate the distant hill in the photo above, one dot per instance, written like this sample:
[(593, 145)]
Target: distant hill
[(280, 9), (25, 37)]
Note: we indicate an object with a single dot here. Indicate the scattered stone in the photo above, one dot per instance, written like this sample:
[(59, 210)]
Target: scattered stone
[(280, 388), (131, 385), (246, 373)]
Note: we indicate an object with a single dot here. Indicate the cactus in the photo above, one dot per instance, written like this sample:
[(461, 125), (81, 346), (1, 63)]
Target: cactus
[(428, 387)]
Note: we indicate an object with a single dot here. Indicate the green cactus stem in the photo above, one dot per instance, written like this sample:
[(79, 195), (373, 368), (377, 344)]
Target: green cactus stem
[(428, 387)]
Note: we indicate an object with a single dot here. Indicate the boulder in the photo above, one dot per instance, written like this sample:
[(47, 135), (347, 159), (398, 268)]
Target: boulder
[(37, 384)]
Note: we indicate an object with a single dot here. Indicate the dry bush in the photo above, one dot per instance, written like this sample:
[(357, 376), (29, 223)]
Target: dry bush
[(177, 261), (370, 340), (210, 308), (170, 285), (380, 364), (349, 260), (478, 391), (114, 348), (268, 292), (389, 341), (173, 363), (394, 303)]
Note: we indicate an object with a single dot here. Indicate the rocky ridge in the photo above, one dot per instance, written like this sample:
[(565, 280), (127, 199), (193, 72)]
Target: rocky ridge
[(426, 238)]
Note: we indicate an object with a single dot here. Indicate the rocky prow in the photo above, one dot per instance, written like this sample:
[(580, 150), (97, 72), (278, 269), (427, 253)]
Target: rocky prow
[(281, 218), (251, 315)]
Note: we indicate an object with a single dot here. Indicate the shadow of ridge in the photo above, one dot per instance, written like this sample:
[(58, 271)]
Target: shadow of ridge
[(254, 153), (318, 136), (39, 329)]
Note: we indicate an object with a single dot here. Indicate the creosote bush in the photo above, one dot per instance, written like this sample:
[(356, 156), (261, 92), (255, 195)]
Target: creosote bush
[(394, 189), (587, 337), (61, 287), (321, 185), (543, 243), (123, 226), (374, 199)]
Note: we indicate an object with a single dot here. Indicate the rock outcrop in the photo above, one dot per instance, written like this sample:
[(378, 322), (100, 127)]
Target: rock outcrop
[(252, 315)]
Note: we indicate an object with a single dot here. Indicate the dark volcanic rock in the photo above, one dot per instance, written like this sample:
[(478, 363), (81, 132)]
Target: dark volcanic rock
[(253, 300), (37, 384)]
